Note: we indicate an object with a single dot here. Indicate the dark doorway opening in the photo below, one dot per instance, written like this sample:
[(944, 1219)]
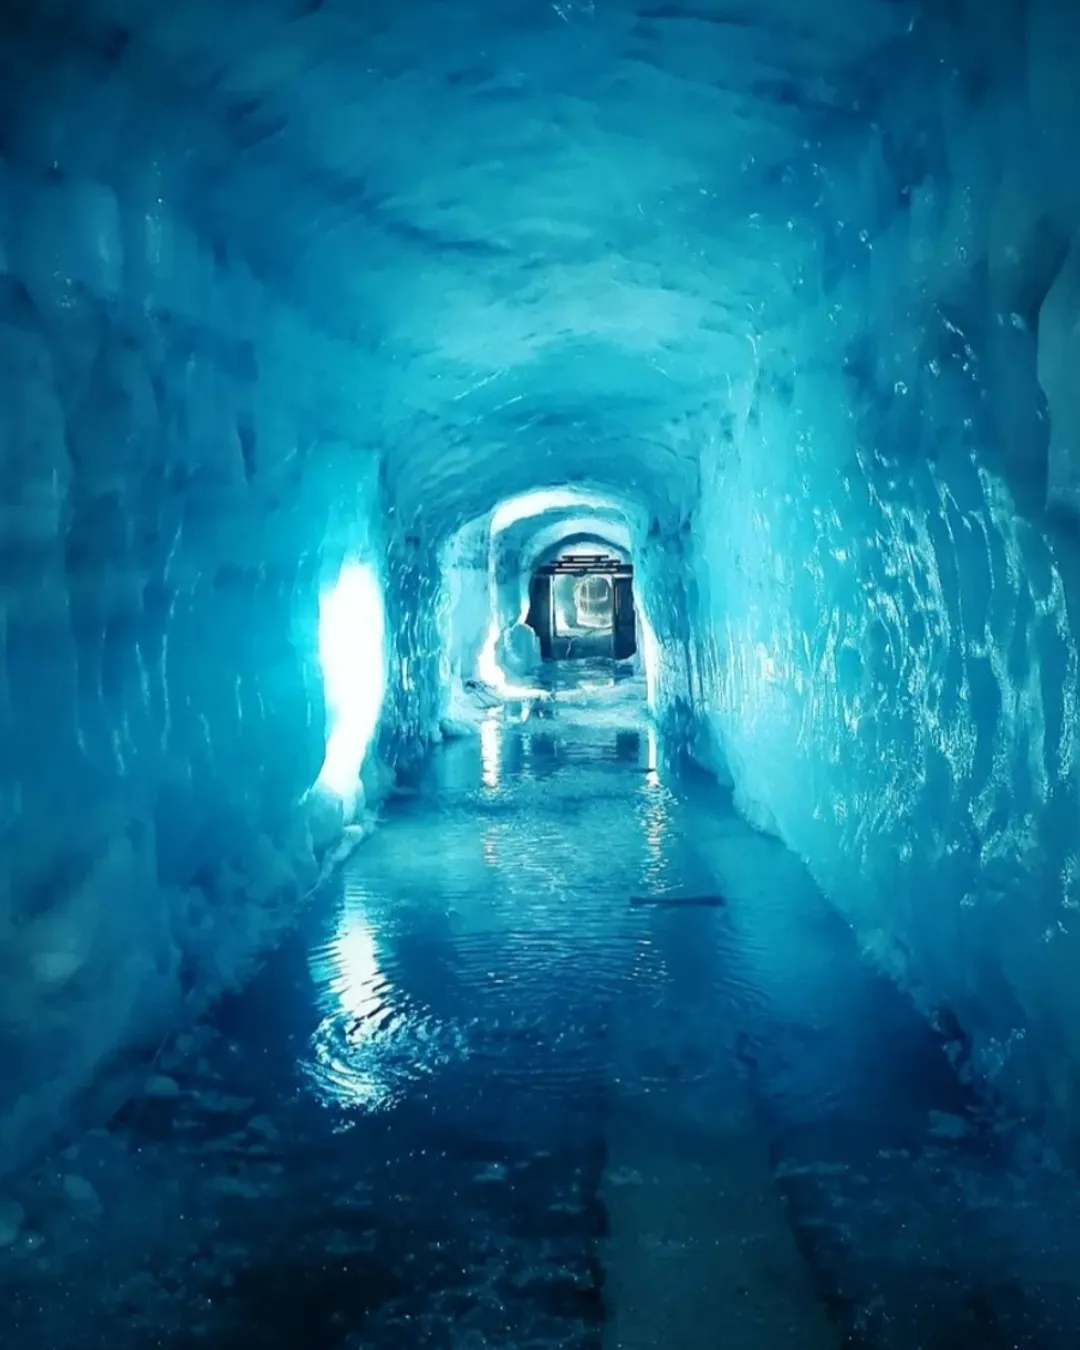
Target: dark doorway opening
[(582, 605)]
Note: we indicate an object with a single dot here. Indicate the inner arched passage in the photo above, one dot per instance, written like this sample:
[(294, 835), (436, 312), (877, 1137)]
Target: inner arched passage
[(581, 600), (489, 570)]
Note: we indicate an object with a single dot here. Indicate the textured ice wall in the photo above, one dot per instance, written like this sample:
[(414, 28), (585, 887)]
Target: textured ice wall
[(887, 655), (415, 625), (664, 587), (894, 685), (465, 601), (892, 678), (175, 492)]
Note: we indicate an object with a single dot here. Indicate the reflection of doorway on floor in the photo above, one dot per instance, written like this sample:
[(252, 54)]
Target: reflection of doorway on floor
[(582, 605)]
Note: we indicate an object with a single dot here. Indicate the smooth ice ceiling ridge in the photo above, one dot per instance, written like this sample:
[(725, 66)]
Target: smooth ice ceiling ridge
[(542, 500), (578, 533)]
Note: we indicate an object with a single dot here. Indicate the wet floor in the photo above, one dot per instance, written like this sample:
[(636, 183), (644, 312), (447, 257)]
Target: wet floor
[(567, 1057)]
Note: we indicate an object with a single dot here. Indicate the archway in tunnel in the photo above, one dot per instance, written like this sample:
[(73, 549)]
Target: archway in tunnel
[(581, 601), (512, 599)]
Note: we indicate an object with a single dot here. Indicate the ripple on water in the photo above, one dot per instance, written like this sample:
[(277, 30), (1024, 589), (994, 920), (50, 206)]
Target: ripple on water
[(372, 1064), (522, 1003), (375, 1041)]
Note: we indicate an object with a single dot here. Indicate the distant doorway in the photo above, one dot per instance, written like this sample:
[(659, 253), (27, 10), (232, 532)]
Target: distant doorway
[(581, 606)]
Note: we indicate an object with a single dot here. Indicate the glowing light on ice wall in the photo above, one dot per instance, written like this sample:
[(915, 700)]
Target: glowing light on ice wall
[(489, 670), (352, 635), (650, 654)]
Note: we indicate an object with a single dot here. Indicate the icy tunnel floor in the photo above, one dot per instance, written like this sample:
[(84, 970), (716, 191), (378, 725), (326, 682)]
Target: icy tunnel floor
[(568, 1057)]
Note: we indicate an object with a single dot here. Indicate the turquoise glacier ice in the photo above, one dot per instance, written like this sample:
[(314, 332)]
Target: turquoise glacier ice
[(326, 325)]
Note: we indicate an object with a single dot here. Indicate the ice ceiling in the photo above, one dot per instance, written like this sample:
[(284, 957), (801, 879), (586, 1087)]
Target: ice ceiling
[(469, 199), (287, 289)]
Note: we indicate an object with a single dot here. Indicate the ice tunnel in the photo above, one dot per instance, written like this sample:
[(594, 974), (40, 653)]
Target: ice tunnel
[(324, 325)]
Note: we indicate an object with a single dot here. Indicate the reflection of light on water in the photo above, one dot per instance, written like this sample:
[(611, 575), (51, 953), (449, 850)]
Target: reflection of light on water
[(351, 649), (655, 829), (372, 1044), (490, 738), (490, 849), (356, 974), (655, 826), (343, 1062)]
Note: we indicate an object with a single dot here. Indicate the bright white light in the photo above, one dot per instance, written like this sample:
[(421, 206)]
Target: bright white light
[(352, 631), (490, 738), (650, 652), (357, 976), (487, 667)]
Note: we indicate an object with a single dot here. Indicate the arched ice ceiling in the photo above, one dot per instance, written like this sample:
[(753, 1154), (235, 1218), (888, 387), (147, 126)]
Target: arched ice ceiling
[(579, 535), (548, 230), (601, 531)]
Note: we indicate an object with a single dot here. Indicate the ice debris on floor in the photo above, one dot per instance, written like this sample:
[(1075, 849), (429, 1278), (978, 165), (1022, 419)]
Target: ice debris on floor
[(12, 1217), (207, 1176)]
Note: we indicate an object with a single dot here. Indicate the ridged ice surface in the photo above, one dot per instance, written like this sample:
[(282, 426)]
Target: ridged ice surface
[(894, 681)]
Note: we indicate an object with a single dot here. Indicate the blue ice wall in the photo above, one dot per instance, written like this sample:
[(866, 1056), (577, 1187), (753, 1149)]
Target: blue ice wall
[(665, 588), (176, 491), (416, 657), (893, 683), (888, 556)]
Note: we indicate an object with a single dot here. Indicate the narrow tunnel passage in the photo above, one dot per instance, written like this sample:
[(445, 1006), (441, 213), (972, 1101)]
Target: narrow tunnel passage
[(391, 954), (582, 605)]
